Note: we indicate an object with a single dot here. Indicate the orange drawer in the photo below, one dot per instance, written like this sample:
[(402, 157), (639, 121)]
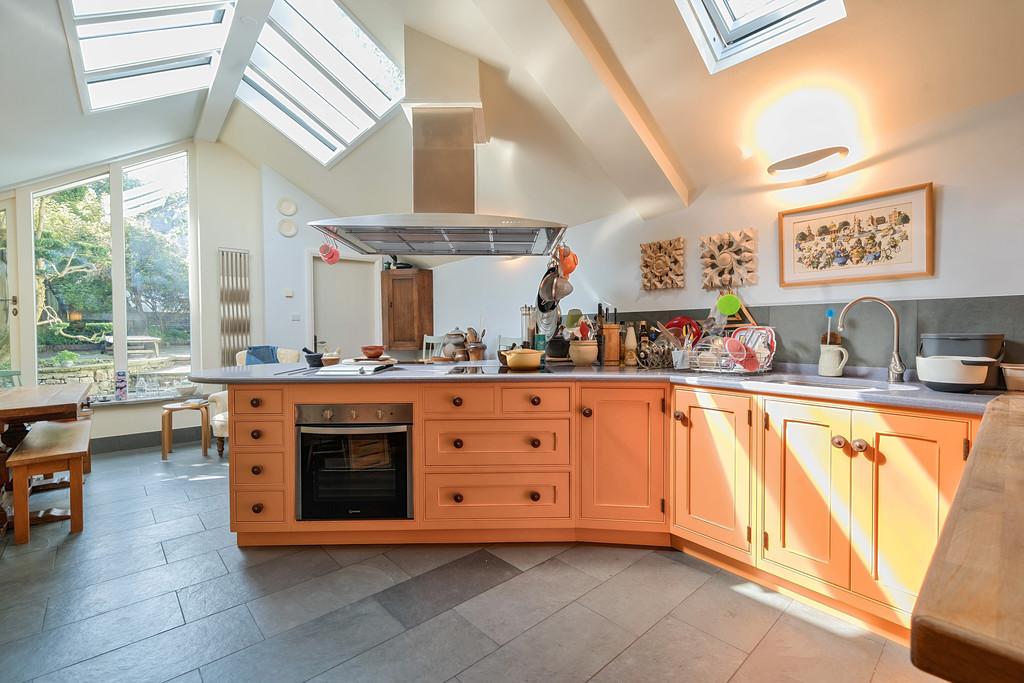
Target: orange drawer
[(534, 400), (258, 468), (257, 433), (459, 400), (259, 506), (497, 442), (256, 401), (497, 496)]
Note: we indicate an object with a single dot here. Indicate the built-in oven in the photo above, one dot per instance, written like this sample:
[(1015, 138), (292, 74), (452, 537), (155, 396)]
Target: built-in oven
[(354, 461)]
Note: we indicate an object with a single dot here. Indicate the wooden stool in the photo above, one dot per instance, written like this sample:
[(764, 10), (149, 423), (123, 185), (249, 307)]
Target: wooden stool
[(49, 447), (167, 425)]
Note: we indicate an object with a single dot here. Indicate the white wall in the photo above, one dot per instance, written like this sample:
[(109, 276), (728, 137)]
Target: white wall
[(287, 263), (975, 159)]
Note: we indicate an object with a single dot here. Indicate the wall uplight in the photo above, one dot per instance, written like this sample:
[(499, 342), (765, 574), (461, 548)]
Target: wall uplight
[(809, 165)]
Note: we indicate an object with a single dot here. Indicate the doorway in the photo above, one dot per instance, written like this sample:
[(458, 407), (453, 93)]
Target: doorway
[(9, 375), (345, 305)]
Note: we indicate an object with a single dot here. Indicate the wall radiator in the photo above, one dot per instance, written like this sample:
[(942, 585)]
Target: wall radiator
[(234, 304)]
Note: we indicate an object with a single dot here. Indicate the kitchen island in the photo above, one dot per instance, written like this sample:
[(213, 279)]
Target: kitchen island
[(834, 489)]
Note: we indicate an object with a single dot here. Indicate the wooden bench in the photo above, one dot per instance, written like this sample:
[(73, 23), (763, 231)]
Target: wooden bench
[(49, 447)]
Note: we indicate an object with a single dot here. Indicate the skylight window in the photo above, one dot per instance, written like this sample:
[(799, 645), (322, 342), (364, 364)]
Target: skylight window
[(128, 51), (318, 77), (728, 32)]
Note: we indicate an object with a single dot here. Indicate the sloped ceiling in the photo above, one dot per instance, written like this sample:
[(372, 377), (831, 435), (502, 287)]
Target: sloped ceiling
[(42, 128)]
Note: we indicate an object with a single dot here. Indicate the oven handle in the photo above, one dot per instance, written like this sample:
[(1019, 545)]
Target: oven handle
[(382, 429)]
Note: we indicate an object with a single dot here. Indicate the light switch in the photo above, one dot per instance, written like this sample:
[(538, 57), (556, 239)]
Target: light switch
[(296, 317), (289, 293)]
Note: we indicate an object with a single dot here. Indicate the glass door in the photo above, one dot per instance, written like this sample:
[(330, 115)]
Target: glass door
[(9, 376)]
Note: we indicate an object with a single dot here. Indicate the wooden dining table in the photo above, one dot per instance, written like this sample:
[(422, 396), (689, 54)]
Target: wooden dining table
[(21, 406)]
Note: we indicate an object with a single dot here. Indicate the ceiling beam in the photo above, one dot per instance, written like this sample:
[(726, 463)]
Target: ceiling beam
[(587, 35), (246, 23)]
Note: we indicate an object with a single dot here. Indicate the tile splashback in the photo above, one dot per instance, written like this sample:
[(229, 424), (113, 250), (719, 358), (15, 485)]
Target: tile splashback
[(868, 334)]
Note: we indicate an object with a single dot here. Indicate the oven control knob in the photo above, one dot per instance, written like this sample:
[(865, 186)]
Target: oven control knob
[(353, 415), (328, 414), (380, 414)]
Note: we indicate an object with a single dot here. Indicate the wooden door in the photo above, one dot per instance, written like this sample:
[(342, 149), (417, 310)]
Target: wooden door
[(407, 297), (903, 483), (622, 447), (807, 492), (713, 470)]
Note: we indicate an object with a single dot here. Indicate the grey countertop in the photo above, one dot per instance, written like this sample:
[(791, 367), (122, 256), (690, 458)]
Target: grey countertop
[(801, 385)]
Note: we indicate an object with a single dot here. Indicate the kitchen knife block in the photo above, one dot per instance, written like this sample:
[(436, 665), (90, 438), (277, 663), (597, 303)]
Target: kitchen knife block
[(612, 343)]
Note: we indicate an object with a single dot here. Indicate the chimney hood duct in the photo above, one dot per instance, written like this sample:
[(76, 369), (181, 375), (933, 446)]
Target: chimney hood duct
[(443, 222)]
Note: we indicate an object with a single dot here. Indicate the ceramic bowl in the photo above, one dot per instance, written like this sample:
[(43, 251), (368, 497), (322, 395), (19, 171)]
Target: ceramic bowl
[(372, 351), (186, 390), (523, 359), (331, 360), (583, 353)]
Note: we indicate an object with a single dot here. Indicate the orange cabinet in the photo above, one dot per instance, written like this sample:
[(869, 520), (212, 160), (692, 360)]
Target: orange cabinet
[(905, 472), (528, 400), (462, 443), (622, 453), (714, 468), (262, 469), (259, 506), (261, 401), (255, 432), (806, 505), (459, 400), (503, 495)]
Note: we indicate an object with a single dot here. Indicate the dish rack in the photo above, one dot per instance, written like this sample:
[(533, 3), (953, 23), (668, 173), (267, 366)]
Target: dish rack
[(713, 354)]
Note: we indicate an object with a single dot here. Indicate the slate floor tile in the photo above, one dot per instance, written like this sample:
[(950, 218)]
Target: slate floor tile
[(640, 595), (345, 555), (103, 597), (602, 561), (78, 550), (314, 647), (523, 556), (169, 654), (438, 590), (51, 650), (310, 599), (510, 608), (894, 666), (434, 651), (198, 543), (673, 651), (162, 513), (236, 558), (571, 645), (417, 559), (209, 597), (22, 620), (802, 647), (733, 610)]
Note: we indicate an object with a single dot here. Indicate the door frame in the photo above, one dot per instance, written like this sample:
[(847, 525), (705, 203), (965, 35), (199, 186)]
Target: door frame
[(313, 255), (8, 204)]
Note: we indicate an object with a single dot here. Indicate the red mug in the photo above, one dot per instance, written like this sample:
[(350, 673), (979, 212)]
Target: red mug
[(329, 254)]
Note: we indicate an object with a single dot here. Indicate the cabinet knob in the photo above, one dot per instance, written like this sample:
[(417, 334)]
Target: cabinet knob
[(255, 434), (680, 417), (257, 469), (535, 443), (839, 441), (534, 496), (458, 498), (257, 508), (457, 401), (458, 443), (535, 400), (859, 445), (587, 412), (255, 402)]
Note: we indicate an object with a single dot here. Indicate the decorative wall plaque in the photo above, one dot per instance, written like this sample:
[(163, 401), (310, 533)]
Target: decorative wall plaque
[(662, 265), (729, 260)]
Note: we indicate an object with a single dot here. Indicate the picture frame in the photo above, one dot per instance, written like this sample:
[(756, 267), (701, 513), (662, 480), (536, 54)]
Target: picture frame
[(886, 235)]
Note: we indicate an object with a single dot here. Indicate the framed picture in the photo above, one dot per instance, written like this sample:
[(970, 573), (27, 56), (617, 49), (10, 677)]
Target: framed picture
[(882, 236)]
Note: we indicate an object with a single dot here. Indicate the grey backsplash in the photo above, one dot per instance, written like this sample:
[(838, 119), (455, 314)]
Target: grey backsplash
[(868, 334)]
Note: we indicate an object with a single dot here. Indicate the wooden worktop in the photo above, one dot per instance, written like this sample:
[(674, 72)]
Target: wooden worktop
[(969, 621)]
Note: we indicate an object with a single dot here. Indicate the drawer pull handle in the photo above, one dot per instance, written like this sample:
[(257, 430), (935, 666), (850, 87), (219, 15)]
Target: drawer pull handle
[(256, 402), (839, 441), (587, 412), (457, 401), (255, 434), (534, 496), (257, 469), (458, 443), (535, 400), (458, 498), (257, 508), (859, 445), (535, 443)]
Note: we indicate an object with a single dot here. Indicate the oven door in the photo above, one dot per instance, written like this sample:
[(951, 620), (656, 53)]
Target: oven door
[(355, 472)]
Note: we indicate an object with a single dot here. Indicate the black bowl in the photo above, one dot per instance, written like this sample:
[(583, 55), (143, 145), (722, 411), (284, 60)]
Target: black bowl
[(315, 360)]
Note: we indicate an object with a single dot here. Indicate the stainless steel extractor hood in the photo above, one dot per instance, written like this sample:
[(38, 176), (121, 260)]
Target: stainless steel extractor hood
[(443, 222)]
